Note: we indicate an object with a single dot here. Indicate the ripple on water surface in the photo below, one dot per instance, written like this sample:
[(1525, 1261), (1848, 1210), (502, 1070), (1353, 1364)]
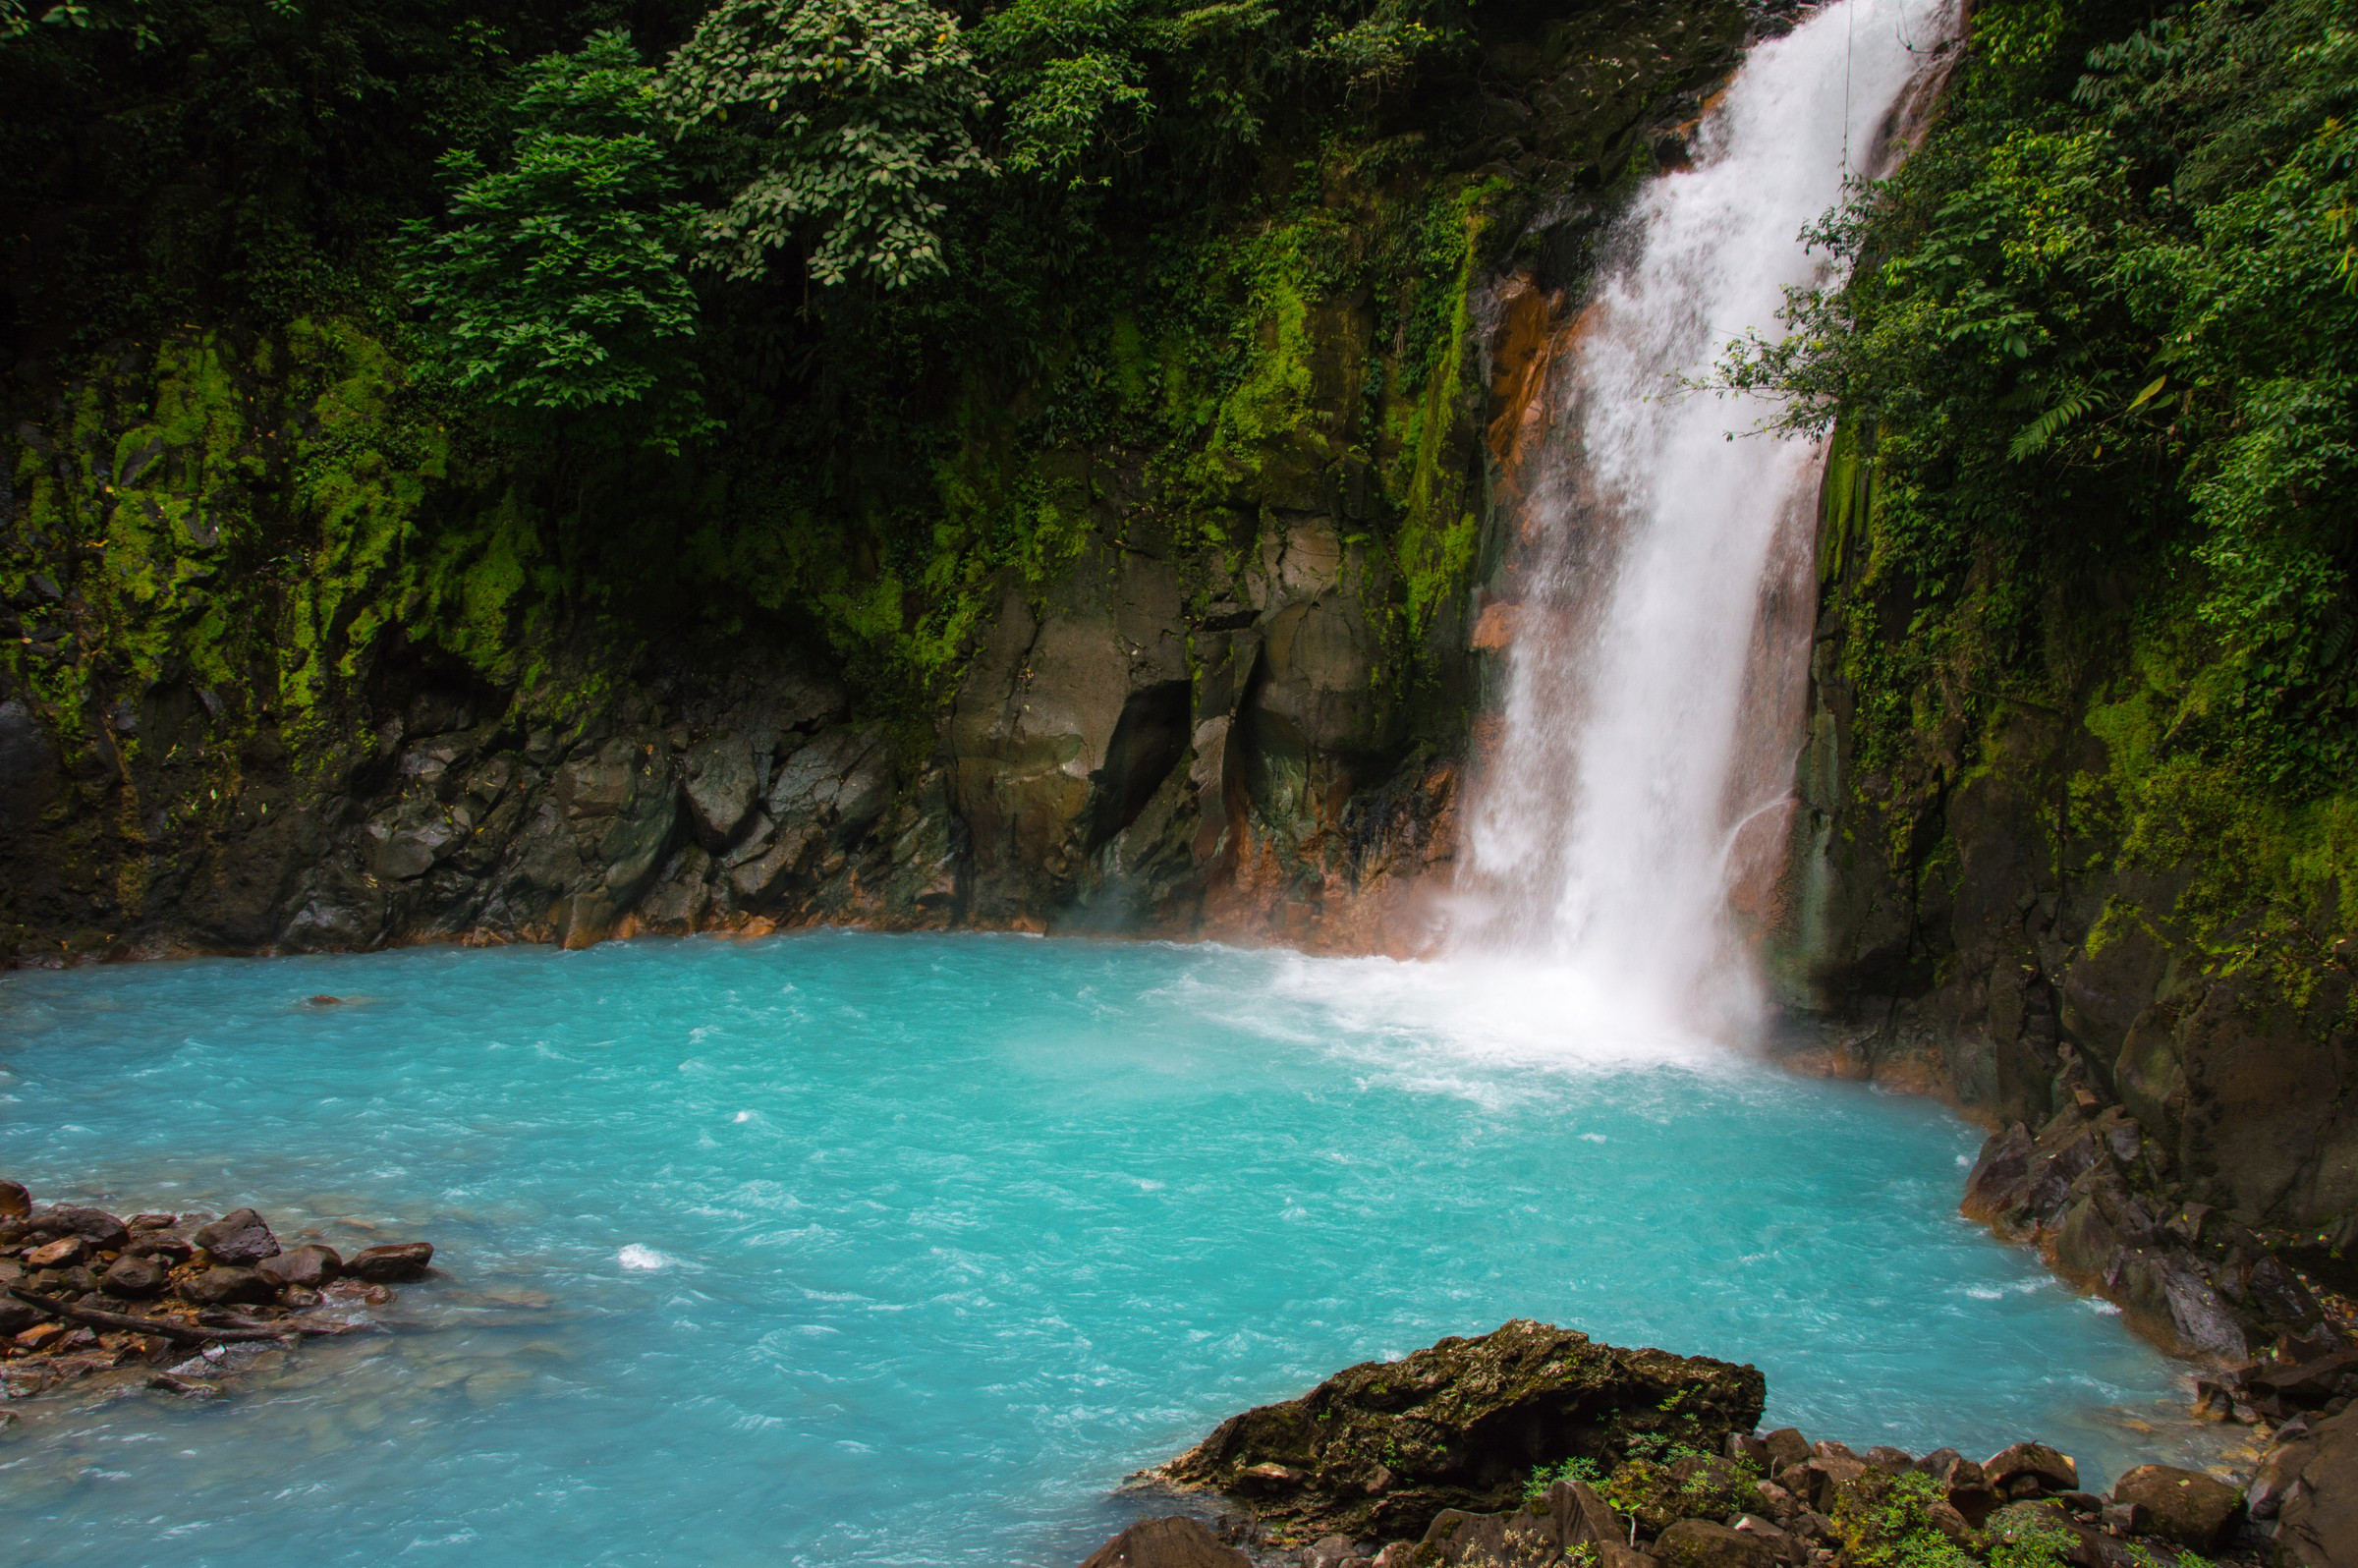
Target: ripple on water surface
[(854, 1249)]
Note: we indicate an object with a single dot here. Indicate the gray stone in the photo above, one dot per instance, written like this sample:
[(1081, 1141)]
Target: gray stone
[(719, 782)]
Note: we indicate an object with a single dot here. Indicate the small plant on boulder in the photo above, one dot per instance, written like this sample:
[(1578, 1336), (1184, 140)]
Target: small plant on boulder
[(1887, 1521)]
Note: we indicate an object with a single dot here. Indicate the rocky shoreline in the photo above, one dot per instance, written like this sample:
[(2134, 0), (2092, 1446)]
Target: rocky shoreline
[(1532, 1446), (165, 1300)]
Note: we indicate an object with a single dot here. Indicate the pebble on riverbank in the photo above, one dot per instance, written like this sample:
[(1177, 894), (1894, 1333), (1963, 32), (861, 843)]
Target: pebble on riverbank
[(83, 1291), (1579, 1465)]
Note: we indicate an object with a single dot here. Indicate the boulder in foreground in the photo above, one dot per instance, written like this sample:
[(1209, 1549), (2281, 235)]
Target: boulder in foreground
[(1176, 1541), (2308, 1488), (1380, 1449)]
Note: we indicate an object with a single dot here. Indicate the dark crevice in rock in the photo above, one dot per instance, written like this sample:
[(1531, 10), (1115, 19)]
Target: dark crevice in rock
[(1148, 741)]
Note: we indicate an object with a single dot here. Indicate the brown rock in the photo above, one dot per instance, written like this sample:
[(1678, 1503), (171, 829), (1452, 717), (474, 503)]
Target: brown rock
[(239, 1239), (1545, 1531), (75, 1280), (2182, 1506), (1784, 1446), (16, 1316), (310, 1267), (94, 1225), (42, 1335), (135, 1277), (173, 1250), (1700, 1543), (1962, 1482), (1176, 1541), (2029, 1469), (1949, 1519), (1462, 1424), (218, 1286), (15, 1202), (1825, 1474), (390, 1264), (1333, 1551), (1789, 1548), (1998, 1188), (140, 1222), (2310, 1487), (63, 1252)]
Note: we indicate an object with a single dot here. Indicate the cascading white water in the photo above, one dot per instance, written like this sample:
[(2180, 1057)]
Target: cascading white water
[(1649, 707)]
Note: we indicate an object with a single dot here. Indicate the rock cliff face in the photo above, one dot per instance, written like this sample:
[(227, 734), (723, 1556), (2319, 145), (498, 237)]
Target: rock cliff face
[(1973, 918), (1246, 719)]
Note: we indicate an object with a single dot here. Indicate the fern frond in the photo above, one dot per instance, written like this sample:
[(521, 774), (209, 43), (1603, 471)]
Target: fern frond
[(2058, 416)]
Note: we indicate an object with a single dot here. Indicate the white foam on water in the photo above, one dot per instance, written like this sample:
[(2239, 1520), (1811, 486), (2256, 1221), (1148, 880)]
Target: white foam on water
[(636, 1256)]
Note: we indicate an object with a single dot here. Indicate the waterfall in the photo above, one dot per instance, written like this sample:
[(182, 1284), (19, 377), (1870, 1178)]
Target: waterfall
[(1662, 589)]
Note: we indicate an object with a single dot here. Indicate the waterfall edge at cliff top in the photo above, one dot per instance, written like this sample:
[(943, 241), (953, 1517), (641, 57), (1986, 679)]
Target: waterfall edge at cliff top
[(1660, 585)]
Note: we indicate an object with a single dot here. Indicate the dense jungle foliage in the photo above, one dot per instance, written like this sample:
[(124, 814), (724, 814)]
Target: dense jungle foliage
[(509, 325), (2095, 398)]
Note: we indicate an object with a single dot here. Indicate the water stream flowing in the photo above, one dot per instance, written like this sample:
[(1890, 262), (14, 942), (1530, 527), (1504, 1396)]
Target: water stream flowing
[(1655, 678)]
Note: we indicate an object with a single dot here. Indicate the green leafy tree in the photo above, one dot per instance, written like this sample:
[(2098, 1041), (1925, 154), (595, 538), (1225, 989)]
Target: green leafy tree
[(836, 128), (2113, 325), (1089, 84), (556, 291)]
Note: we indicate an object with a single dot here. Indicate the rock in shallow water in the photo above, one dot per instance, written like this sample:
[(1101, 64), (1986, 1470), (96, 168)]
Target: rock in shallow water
[(94, 1225), (1378, 1450), (390, 1264), (238, 1238), (308, 1267)]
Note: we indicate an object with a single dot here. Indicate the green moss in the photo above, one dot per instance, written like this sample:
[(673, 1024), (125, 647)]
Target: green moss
[(1439, 535), (1886, 1522)]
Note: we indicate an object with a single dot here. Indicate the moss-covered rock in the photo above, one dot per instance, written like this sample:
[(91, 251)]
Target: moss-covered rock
[(1378, 1450)]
